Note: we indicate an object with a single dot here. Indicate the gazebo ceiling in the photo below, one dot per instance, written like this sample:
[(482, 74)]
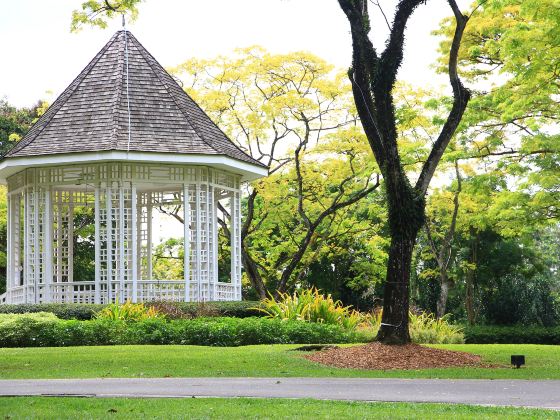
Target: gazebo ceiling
[(89, 121)]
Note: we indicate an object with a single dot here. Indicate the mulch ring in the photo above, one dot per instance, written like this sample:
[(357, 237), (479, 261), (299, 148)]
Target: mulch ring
[(377, 356)]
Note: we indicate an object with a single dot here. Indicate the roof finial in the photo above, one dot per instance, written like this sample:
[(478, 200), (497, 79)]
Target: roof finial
[(123, 22)]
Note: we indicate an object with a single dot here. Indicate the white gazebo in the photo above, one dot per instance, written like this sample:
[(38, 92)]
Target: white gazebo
[(122, 141)]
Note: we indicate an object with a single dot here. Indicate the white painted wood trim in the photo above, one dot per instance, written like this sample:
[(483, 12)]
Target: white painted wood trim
[(133, 229), (71, 239), (186, 242), (26, 240), (215, 242), (121, 241), (36, 228), (247, 171), (109, 242), (198, 263), (48, 241), (149, 237), (10, 251), (97, 236)]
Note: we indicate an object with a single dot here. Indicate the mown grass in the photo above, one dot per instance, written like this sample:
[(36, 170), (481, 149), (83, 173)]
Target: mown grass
[(543, 362), (242, 408)]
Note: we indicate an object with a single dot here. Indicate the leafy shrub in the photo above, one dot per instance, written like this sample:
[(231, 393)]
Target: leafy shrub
[(310, 305), (512, 335), (128, 311), (82, 311), (34, 330), (240, 309), (425, 328)]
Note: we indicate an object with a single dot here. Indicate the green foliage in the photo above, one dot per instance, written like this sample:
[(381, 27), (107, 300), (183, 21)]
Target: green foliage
[(83, 311), (21, 330), (79, 311), (97, 12), (14, 123), (32, 330), (277, 106), (512, 335), (310, 305), (128, 311), (84, 243), (425, 328), (168, 259)]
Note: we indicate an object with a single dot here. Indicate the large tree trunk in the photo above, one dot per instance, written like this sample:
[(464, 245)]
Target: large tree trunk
[(406, 217), (394, 321)]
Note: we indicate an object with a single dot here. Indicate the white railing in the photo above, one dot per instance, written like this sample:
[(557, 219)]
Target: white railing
[(147, 290)]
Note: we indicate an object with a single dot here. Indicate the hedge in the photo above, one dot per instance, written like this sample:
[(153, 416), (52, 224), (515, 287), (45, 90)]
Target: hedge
[(82, 311), (512, 335), (45, 330)]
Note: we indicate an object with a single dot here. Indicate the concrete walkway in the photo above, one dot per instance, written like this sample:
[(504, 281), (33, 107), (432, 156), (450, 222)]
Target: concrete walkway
[(543, 394)]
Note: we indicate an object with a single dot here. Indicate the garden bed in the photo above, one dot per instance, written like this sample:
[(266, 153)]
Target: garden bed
[(379, 356)]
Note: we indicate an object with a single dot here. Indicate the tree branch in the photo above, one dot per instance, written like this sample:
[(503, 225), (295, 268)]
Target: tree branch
[(461, 96)]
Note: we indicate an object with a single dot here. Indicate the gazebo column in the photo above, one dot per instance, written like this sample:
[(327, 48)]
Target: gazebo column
[(121, 244), (13, 233), (47, 245), (32, 265), (149, 205), (26, 246), (36, 244), (70, 237), (97, 238), (12, 269), (211, 260), (214, 235), (235, 209), (9, 253), (58, 237), (133, 228), (186, 242), (109, 242)]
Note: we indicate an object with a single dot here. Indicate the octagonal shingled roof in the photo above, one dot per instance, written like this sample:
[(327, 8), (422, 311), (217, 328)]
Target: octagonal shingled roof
[(91, 115)]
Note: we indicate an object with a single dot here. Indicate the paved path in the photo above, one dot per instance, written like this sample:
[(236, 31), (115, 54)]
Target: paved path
[(544, 394)]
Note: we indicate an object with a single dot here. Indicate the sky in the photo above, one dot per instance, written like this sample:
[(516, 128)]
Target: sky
[(39, 56)]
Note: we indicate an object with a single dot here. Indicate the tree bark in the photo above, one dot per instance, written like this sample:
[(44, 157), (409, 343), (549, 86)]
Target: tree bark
[(252, 271), (445, 285), (406, 217), (394, 321)]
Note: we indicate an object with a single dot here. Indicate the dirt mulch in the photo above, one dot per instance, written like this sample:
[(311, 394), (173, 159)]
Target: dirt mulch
[(377, 356)]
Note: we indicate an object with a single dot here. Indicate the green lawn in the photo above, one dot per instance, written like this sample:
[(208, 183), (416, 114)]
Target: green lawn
[(242, 408), (543, 362)]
